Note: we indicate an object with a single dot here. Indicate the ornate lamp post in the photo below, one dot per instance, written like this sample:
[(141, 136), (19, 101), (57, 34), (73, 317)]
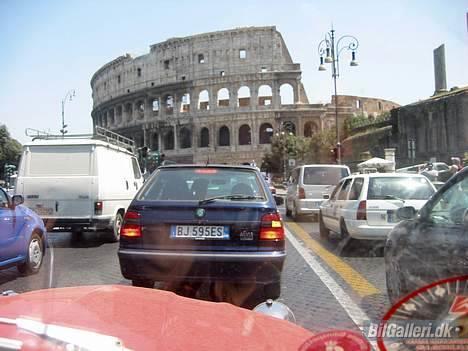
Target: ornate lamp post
[(68, 97), (331, 48)]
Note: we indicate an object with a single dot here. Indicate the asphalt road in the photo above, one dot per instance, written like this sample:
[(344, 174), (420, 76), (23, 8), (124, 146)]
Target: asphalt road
[(327, 284)]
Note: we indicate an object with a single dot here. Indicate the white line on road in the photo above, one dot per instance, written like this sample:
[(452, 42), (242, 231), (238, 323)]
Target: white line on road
[(358, 316)]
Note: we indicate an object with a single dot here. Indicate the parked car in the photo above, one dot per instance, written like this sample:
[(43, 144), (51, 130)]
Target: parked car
[(363, 206), (80, 183), (432, 244), (23, 237), (194, 224), (308, 185)]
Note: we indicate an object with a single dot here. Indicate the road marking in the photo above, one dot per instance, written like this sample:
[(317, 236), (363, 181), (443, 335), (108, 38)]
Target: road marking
[(357, 315), (352, 277)]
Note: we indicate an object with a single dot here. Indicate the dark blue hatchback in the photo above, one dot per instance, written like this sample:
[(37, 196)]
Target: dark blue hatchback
[(197, 224)]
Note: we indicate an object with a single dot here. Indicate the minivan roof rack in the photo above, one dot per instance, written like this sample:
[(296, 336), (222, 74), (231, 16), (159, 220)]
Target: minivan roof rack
[(100, 133)]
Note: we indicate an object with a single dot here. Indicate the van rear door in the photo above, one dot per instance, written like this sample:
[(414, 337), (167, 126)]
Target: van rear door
[(58, 180), (320, 180)]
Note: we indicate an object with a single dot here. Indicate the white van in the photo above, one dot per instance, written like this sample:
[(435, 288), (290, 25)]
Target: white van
[(308, 185), (79, 183)]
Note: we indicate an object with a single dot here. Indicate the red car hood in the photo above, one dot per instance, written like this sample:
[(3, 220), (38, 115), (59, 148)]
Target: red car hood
[(146, 319)]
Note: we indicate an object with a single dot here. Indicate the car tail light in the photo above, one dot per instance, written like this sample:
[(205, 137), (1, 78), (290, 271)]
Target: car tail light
[(302, 194), (98, 208), (271, 227), (131, 228), (362, 211)]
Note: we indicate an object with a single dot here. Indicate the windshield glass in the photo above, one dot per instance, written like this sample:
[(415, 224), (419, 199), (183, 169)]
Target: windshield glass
[(174, 164), (400, 188), (324, 175)]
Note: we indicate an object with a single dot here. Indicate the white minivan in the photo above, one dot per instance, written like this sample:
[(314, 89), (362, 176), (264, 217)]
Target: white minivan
[(308, 185), (79, 183)]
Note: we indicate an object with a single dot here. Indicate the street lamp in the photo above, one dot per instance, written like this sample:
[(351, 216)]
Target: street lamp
[(332, 50), (68, 97)]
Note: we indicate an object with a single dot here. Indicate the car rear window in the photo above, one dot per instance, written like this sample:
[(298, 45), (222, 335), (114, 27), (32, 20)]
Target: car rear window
[(324, 175), (405, 188), (202, 183)]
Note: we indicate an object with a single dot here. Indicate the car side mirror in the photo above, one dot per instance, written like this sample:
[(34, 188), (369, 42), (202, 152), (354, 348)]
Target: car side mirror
[(326, 196), (17, 200), (406, 212), (279, 200)]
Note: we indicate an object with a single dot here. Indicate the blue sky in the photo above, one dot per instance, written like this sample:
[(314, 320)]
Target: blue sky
[(49, 47)]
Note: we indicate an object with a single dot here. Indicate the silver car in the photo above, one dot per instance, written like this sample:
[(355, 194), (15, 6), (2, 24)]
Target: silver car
[(308, 185)]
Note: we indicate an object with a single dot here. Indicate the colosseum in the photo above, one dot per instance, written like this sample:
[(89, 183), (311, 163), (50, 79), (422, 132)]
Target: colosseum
[(215, 97)]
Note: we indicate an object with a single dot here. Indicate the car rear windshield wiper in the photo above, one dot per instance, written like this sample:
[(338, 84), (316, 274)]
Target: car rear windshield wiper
[(392, 197), (229, 197)]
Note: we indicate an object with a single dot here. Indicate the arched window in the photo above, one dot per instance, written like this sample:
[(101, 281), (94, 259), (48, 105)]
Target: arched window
[(224, 136), (266, 132), (245, 137), (185, 138), (264, 95), (185, 104), (204, 100), (118, 115), (286, 94), (289, 127), (111, 117), (310, 128), (169, 140), (155, 106), (128, 111), (140, 108), (223, 97), (243, 97), (204, 137)]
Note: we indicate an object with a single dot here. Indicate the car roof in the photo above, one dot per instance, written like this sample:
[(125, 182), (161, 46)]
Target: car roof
[(386, 175), (71, 142), (324, 165), (228, 166)]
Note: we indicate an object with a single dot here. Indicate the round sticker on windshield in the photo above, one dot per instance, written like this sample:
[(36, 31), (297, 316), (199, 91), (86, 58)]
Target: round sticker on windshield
[(336, 340), (434, 317)]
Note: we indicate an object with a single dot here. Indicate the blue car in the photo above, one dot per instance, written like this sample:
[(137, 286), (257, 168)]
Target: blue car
[(193, 224), (23, 237)]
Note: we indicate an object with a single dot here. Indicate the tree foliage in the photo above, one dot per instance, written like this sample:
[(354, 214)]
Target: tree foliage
[(10, 149)]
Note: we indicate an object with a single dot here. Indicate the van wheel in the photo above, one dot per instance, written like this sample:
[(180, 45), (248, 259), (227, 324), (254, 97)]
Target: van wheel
[(34, 256), (115, 235), (324, 232)]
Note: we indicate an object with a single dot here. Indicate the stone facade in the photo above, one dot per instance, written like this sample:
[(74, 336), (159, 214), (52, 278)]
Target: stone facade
[(216, 96), (433, 128)]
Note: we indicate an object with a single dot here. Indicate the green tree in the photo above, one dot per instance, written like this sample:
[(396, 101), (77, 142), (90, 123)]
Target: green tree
[(10, 149)]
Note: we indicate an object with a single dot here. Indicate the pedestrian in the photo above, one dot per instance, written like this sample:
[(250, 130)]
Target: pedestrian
[(456, 165)]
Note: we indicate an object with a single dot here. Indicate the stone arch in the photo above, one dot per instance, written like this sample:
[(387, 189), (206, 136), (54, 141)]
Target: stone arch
[(140, 109), (224, 136), (111, 117), (169, 104), (128, 111), (185, 103), (204, 100), (265, 133), (204, 137), (286, 94), (245, 135), (223, 97), (310, 128), (155, 106), (289, 127), (185, 138), (243, 96), (265, 95), (118, 114), (169, 140)]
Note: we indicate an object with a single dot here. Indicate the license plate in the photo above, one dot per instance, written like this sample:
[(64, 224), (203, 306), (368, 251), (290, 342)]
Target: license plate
[(392, 217), (317, 203), (200, 232), (44, 211)]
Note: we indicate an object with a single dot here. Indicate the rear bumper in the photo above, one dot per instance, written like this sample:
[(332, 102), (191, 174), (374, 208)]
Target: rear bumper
[(368, 232), (259, 267), (65, 224), (308, 206)]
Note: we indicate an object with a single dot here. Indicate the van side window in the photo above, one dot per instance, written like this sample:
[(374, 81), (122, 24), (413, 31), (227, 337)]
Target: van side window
[(3, 199), (344, 189), (136, 169), (356, 189)]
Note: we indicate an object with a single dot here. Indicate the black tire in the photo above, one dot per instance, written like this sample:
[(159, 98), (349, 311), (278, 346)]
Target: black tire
[(115, 233), (272, 290), (143, 283), (324, 232), (34, 257), (396, 287), (288, 211)]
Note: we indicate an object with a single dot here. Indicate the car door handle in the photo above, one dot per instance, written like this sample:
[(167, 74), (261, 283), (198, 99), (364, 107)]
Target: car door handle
[(136, 185), (56, 206), (126, 183)]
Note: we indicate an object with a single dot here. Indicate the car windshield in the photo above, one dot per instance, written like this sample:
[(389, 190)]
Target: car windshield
[(324, 175), (399, 188), (168, 167), (201, 184)]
